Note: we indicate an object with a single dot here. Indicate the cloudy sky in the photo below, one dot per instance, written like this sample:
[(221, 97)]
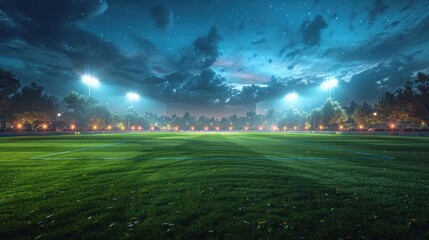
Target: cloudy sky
[(215, 54)]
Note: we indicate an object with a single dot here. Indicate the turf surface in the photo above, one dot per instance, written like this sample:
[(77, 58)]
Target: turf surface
[(214, 186)]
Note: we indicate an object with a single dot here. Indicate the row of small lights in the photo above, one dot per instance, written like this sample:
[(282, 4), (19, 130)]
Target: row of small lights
[(261, 128)]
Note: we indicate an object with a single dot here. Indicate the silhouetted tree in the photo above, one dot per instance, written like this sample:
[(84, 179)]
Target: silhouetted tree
[(78, 108), (9, 86), (33, 106), (364, 115), (328, 116)]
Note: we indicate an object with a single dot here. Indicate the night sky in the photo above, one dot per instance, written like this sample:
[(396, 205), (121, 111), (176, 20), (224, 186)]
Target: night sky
[(215, 55)]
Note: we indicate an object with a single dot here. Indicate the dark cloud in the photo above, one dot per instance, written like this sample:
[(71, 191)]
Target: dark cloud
[(204, 53), (33, 25), (145, 46), (409, 4), (311, 30), (54, 31), (294, 54), (387, 76), (206, 88), (378, 7), (352, 18), (39, 38), (161, 15), (59, 11), (384, 46), (392, 25)]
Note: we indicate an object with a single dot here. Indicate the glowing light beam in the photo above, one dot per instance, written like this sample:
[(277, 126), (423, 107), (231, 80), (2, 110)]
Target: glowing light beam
[(291, 97)]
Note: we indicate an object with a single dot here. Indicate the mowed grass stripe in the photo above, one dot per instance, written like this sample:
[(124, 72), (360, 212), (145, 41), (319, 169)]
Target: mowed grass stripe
[(244, 198), (288, 145), (301, 149)]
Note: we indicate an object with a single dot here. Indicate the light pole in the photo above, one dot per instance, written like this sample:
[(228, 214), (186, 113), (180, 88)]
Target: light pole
[(291, 98), (329, 84), (132, 97), (91, 82)]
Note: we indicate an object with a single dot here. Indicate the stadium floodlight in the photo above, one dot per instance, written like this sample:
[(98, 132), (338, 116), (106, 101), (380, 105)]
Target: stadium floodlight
[(329, 84), (91, 82), (132, 97), (292, 97)]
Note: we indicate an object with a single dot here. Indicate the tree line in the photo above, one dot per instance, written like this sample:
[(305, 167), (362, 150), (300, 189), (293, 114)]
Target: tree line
[(30, 108)]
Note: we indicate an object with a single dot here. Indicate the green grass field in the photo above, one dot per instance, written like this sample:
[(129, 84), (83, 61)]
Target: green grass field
[(214, 186)]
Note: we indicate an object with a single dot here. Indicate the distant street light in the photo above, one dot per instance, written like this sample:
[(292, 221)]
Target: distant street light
[(91, 82), (329, 84)]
